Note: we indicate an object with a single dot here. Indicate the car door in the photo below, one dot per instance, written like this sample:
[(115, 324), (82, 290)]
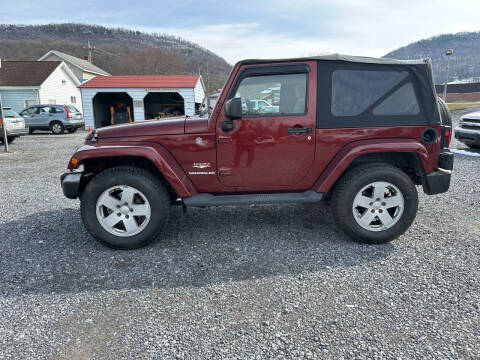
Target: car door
[(268, 150), (30, 115), (45, 115)]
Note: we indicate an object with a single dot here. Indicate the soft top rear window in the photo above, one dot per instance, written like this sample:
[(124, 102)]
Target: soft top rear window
[(364, 94), (354, 91)]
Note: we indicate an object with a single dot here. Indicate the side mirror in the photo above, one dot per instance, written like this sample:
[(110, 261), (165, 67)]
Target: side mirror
[(233, 108)]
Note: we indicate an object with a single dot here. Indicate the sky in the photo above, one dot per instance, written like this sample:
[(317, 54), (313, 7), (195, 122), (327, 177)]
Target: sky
[(243, 29)]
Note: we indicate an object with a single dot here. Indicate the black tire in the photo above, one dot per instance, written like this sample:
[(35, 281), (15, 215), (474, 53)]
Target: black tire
[(10, 139), (473, 146), (30, 131), (355, 180), (57, 127), (71, 131), (153, 189), (445, 114)]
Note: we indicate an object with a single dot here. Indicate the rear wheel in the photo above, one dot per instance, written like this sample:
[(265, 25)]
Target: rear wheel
[(57, 127), (10, 139), (71, 131), (125, 207), (375, 203)]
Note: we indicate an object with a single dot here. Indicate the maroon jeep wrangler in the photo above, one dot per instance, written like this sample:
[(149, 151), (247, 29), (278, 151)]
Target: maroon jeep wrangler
[(361, 132)]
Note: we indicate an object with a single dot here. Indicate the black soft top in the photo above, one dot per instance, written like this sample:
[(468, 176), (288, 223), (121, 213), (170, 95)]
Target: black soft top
[(340, 57), (420, 74)]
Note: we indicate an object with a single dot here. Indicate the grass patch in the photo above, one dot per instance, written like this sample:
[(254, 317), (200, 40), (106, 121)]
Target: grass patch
[(457, 106)]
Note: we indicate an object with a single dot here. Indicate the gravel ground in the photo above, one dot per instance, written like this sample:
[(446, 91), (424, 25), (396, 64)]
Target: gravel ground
[(237, 282)]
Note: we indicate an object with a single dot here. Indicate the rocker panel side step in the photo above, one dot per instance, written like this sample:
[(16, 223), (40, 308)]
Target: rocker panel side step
[(206, 199)]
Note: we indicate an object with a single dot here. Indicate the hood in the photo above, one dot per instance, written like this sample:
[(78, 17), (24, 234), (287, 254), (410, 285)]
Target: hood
[(171, 126), (472, 116)]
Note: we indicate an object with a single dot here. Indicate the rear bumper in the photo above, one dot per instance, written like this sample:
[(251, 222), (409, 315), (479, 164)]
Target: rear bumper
[(74, 124), (468, 136), (17, 131), (71, 183), (438, 182)]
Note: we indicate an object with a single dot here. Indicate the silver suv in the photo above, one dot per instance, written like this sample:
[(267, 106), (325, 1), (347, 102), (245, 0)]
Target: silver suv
[(14, 125), (56, 118)]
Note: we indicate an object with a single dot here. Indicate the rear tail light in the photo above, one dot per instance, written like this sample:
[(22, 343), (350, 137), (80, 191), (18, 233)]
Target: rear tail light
[(446, 136), (69, 116), (1, 122)]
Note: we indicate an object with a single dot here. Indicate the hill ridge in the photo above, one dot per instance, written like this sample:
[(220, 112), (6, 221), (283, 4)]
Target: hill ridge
[(464, 63), (119, 51)]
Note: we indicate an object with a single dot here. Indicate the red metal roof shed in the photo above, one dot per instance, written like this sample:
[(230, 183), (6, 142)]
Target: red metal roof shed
[(144, 81)]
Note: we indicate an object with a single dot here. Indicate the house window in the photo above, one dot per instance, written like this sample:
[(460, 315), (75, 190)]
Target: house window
[(30, 102), (53, 102), (73, 99), (64, 82)]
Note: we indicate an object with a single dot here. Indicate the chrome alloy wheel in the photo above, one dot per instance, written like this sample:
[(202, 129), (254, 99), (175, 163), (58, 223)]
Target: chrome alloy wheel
[(57, 128), (123, 210), (378, 206)]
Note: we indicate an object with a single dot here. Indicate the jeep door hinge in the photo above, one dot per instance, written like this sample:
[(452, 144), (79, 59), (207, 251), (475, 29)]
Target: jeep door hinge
[(225, 171), (224, 139)]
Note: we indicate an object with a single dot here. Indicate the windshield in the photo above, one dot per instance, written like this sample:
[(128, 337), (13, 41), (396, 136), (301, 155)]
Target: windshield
[(9, 113), (204, 109)]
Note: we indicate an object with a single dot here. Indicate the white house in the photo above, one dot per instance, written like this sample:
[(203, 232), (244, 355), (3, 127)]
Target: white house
[(25, 83), (139, 97), (83, 69)]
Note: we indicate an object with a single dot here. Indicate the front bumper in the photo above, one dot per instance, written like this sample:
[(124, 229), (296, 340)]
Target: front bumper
[(468, 136), (71, 183)]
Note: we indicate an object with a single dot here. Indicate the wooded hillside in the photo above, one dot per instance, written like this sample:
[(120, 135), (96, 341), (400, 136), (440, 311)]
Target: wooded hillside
[(117, 51)]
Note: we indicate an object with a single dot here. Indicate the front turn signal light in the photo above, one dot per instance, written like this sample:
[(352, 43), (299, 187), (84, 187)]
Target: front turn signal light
[(74, 162)]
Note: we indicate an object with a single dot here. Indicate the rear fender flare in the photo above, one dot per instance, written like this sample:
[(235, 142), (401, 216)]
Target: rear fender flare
[(157, 154), (350, 152)]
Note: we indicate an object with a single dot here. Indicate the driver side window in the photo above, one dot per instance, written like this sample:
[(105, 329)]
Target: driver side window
[(29, 111), (273, 95)]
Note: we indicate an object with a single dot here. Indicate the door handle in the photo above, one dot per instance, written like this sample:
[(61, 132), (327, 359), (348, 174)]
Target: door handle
[(299, 130)]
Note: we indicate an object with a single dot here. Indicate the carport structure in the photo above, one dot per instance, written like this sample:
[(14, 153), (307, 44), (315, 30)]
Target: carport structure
[(109, 100)]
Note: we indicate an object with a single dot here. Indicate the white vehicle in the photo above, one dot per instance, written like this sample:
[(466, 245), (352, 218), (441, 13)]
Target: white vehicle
[(14, 125), (469, 130), (259, 106)]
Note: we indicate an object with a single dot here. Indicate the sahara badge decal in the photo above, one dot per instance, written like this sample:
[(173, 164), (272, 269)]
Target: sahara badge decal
[(201, 165), (201, 173)]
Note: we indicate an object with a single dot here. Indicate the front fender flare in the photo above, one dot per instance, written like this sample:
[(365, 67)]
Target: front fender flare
[(350, 152), (156, 153)]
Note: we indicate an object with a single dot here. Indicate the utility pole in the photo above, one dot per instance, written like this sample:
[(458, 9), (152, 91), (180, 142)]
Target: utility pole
[(4, 128), (90, 48), (448, 53), (207, 92)]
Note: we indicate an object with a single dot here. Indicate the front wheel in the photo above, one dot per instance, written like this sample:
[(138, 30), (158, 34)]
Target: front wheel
[(125, 207), (72, 130), (375, 203)]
